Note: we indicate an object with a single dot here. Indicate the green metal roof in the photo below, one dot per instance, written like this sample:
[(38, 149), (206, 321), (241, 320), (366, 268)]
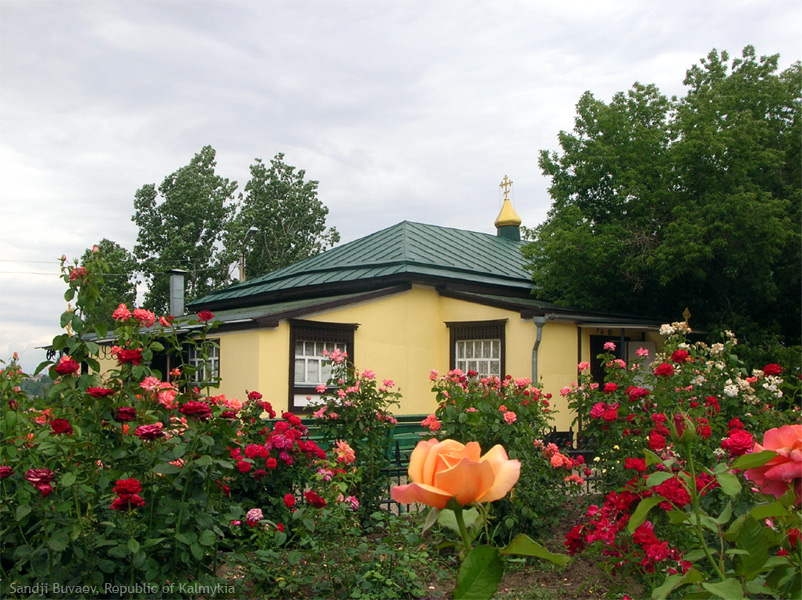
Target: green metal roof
[(406, 251)]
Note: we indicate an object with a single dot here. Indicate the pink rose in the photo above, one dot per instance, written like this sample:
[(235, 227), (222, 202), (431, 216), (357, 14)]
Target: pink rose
[(785, 469)]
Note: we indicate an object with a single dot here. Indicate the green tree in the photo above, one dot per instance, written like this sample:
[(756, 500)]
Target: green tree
[(116, 282), (288, 217), (181, 226), (660, 203)]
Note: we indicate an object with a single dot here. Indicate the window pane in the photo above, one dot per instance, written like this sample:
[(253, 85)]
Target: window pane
[(313, 371), (300, 370), (309, 349), (496, 353), (299, 348)]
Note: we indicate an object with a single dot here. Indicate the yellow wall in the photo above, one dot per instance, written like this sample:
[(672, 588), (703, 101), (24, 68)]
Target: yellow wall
[(401, 337)]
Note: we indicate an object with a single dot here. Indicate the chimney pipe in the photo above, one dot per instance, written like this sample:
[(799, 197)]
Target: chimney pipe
[(177, 292)]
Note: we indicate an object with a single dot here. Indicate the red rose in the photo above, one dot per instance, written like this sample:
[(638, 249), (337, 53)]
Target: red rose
[(635, 393), (127, 487), (205, 315), (610, 387), (67, 366), (244, 466), (133, 357), (289, 500), (149, 432), (664, 370), (99, 392), (638, 464), (313, 499), (61, 426), (704, 431), (610, 413), (271, 463), (740, 442), (656, 441), (125, 414), (200, 410), (680, 356), (772, 369), (127, 502), (5, 471), (254, 396)]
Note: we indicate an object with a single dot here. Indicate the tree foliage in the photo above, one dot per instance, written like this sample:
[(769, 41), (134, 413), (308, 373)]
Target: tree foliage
[(288, 217), (116, 281), (181, 226), (661, 203)]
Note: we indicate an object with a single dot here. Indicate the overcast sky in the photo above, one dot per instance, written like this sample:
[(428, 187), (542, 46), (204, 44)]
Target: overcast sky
[(402, 110)]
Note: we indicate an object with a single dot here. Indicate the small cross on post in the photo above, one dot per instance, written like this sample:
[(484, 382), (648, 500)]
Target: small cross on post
[(505, 184)]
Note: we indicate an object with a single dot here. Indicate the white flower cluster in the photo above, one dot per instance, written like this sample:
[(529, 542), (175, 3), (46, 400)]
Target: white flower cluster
[(772, 384), (678, 327), (717, 348)]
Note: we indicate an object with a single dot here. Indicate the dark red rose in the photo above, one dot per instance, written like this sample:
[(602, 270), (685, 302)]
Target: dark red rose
[(67, 366), (127, 487), (254, 396), (149, 432), (313, 499), (244, 466), (205, 315), (61, 426), (125, 414), (99, 392), (5, 471), (228, 414), (133, 357), (271, 463), (127, 502), (772, 369), (40, 479), (664, 370), (199, 410), (289, 500)]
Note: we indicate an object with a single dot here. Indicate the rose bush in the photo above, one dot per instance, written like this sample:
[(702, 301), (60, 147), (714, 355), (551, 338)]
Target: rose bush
[(516, 415)]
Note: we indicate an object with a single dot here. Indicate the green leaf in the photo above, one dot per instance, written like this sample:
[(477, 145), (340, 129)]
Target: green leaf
[(23, 510), (729, 484), (166, 469), (755, 459), (640, 514), (725, 515), (729, 589), (479, 574), (187, 538), (59, 541), (133, 546), (658, 478), (525, 546), (68, 479), (431, 519), (197, 551), (764, 511), (448, 519), (207, 538), (651, 458), (672, 582), (754, 538)]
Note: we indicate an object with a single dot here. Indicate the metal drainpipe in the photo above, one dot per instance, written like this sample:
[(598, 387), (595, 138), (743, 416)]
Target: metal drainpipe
[(539, 323)]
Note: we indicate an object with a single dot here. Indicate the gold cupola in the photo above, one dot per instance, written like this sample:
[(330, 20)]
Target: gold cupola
[(508, 223)]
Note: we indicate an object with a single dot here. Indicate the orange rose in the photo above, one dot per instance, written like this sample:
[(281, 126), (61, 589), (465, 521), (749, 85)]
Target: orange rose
[(783, 470), (443, 470)]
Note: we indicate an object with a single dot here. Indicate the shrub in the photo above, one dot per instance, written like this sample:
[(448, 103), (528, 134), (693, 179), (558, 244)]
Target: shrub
[(515, 414)]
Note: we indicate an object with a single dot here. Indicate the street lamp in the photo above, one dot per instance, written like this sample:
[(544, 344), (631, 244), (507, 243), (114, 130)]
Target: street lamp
[(248, 235)]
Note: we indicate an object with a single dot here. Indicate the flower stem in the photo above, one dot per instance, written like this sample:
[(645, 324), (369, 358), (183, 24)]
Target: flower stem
[(463, 531), (698, 523)]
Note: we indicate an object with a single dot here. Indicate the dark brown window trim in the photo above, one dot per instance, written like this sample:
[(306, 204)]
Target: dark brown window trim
[(318, 331), (477, 330)]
